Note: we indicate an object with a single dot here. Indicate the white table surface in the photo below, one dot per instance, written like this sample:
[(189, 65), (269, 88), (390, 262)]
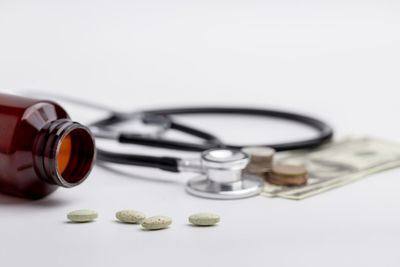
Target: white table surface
[(338, 60)]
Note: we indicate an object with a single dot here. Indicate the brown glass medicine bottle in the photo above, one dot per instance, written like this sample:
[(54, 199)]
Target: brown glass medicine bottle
[(41, 148)]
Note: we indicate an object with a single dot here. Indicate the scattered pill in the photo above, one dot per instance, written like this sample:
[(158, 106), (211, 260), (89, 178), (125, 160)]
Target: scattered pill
[(82, 215), (156, 222), (204, 219), (130, 216)]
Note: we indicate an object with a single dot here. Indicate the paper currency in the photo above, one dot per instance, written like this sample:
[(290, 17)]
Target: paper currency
[(337, 164)]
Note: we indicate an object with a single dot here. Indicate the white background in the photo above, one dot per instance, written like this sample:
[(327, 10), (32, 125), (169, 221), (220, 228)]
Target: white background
[(336, 59)]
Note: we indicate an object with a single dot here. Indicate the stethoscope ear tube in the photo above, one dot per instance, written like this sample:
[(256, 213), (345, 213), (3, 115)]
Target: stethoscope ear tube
[(127, 138), (162, 117), (164, 163), (325, 132)]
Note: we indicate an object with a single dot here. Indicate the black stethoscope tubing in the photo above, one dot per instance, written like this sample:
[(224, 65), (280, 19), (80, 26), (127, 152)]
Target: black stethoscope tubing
[(162, 117)]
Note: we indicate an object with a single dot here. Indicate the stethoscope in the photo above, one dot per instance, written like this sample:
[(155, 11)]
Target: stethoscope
[(220, 166)]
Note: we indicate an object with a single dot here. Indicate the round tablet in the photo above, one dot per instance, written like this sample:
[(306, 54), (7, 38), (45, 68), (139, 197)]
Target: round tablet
[(156, 222), (82, 215), (130, 216), (204, 219)]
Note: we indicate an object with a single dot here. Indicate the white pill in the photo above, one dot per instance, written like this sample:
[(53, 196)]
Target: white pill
[(156, 222), (82, 215), (204, 219), (130, 216)]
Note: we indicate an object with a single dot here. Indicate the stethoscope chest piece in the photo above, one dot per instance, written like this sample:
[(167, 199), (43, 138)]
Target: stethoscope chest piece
[(223, 176)]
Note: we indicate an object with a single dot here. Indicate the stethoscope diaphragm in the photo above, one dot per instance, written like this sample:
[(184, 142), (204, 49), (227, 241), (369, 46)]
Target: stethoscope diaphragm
[(224, 176)]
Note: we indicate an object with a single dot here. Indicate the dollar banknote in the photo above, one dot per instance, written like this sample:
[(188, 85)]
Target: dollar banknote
[(336, 164)]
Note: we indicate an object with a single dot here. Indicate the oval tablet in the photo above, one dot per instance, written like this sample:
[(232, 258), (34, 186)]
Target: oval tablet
[(156, 222), (130, 216), (82, 215), (204, 219)]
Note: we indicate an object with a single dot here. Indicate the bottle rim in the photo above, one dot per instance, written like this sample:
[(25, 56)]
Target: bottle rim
[(47, 147)]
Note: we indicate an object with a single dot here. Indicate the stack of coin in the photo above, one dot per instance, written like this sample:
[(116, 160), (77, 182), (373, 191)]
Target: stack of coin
[(288, 175), (260, 163)]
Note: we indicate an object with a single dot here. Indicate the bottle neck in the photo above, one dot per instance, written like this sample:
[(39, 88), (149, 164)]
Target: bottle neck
[(63, 153)]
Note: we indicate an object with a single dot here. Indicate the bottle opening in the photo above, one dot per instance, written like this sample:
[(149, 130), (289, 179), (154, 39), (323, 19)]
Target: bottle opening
[(64, 153), (75, 155)]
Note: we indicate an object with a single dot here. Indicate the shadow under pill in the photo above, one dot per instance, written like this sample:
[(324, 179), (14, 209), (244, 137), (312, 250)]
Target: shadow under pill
[(201, 226), (71, 222), (126, 223), (152, 230)]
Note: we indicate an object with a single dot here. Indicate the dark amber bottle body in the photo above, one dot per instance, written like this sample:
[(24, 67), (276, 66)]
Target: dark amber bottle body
[(41, 148)]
